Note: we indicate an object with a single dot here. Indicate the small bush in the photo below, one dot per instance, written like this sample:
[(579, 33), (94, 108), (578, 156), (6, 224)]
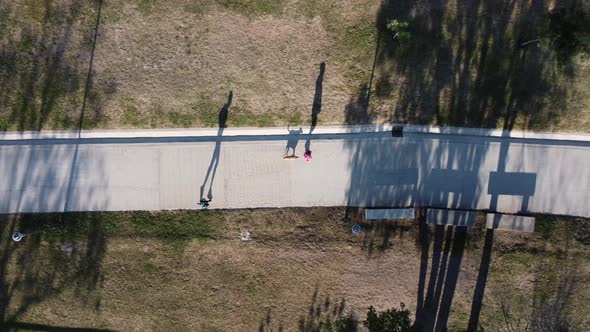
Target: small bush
[(570, 31), (399, 30), (346, 324), (390, 320)]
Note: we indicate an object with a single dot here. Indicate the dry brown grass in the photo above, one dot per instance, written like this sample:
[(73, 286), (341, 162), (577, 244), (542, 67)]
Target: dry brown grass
[(302, 269), (173, 64), (188, 62)]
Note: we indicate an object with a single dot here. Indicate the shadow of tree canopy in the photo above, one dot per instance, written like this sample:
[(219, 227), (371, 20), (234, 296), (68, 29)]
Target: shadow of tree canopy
[(46, 49), (380, 236), (42, 266), (569, 27), (559, 279), (42, 69), (323, 314), (553, 296), (556, 282), (473, 63)]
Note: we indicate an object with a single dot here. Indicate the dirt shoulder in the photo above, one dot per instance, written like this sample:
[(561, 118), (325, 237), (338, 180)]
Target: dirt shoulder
[(301, 270)]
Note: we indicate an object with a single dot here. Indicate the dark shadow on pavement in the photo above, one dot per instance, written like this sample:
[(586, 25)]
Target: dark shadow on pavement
[(292, 142), (212, 169), (87, 88), (42, 266)]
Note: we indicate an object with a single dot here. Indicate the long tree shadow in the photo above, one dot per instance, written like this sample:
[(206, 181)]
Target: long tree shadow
[(380, 235), (558, 280), (43, 65), (323, 314), (32, 154), (87, 88), (486, 259), (435, 298), (42, 266), (480, 285), (555, 290), (212, 169), (423, 242), (466, 66), (357, 110)]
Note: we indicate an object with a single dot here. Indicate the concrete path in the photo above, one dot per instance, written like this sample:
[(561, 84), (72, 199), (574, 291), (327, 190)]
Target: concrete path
[(242, 169)]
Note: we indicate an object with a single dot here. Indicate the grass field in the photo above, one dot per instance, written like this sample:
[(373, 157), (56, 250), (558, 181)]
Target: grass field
[(302, 269), (173, 64)]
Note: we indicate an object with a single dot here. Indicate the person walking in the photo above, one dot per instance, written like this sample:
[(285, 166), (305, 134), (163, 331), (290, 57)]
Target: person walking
[(204, 203), (307, 155)]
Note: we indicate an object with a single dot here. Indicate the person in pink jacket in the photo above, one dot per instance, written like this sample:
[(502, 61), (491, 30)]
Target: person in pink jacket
[(307, 155)]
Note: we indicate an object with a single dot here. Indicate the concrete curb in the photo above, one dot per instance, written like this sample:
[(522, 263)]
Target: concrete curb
[(191, 132), (278, 131), (462, 131)]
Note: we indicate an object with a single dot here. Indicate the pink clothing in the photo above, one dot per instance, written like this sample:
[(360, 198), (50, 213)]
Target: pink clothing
[(307, 155)]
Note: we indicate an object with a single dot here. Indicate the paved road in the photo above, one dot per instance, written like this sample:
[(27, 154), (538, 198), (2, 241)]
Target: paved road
[(366, 169)]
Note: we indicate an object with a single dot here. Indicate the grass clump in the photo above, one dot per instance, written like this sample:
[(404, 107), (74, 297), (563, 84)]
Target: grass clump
[(360, 40), (312, 8), (253, 7), (546, 228), (146, 7), (295, 119), (244, 118), (132, 116), (206, 111), (181, 120), (175, 226), (197, 7), (169, 226)]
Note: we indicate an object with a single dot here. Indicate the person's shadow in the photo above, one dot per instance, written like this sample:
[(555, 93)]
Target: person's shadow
[(222, 122), (316, 108), (292, 141)]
